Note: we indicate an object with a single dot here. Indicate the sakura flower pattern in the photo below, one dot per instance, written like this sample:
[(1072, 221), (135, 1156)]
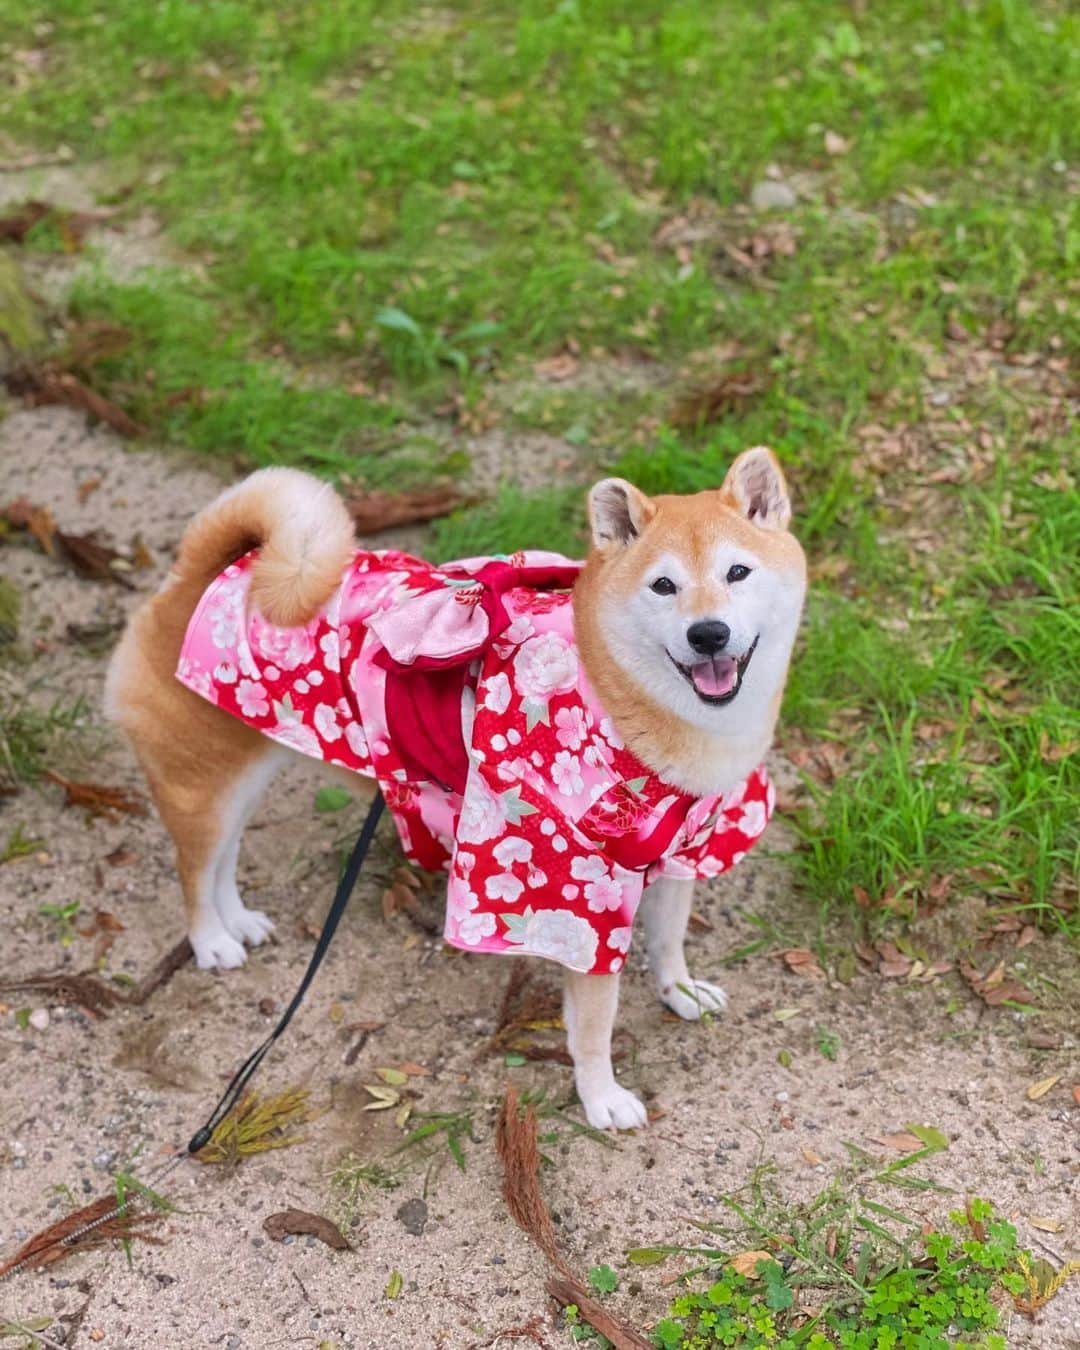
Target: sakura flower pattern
[(557, 829)]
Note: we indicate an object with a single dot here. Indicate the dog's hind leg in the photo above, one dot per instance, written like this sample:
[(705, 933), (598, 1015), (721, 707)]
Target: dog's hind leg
[(243, 924), (665, 911), (205, 813), (589, 1006)]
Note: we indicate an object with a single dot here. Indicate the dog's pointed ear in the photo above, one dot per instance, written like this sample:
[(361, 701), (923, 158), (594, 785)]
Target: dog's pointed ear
[(756, 485), (618, 512)]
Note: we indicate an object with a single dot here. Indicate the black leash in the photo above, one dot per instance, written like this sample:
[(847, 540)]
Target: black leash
[(344, 890)]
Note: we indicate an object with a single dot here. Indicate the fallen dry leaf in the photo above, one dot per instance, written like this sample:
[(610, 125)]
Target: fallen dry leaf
[(98, 799), (92, 560), (715, 397), (50, 383), (24, 515), (902, 1143), (375, 511), (811, 1157), (1042, 1087), (994, 989), (557, 368), (746, 1263), (300, 1222), (1045, 1225)]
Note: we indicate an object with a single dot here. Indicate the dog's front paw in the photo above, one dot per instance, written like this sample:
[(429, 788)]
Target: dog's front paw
[(694, 998), (615, 1108), (249, 925), (216, 950)]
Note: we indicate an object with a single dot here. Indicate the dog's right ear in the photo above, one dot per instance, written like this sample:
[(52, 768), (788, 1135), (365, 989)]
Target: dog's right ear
[(618, 512)]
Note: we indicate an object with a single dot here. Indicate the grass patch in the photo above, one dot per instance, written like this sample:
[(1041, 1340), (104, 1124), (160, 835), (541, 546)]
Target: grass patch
[(417, 203)]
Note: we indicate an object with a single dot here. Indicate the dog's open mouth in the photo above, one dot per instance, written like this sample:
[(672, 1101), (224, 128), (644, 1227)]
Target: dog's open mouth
[(716, 679)]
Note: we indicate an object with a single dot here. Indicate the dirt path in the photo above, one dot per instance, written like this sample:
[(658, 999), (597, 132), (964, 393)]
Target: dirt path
[(80, 1096)]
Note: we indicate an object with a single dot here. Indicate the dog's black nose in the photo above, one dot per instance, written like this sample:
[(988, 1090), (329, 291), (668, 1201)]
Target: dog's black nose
[(708, 637)]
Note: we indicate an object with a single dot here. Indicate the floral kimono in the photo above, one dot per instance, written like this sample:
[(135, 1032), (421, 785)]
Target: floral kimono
[(460, 690)]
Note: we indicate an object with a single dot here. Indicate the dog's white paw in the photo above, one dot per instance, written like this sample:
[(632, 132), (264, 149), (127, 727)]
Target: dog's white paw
[(614, 1108), (249, 925), (215, 949), (694, 998)]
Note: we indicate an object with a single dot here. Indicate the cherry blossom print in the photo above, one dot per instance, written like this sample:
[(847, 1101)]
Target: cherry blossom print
[(512, 850), (497, 694), (619, 939), (566, 774), (475, 927), (503, 886), (603, 895), (251, 699), (558, 828)]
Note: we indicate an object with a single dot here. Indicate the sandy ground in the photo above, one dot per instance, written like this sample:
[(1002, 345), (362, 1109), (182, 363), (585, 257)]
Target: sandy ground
[(80, 1097)]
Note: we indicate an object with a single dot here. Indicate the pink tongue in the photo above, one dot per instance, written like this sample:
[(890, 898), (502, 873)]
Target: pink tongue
[(716, 676)]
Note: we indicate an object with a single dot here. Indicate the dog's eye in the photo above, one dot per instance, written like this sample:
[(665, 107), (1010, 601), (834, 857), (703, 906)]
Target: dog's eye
[(737, 572), (663, 586)]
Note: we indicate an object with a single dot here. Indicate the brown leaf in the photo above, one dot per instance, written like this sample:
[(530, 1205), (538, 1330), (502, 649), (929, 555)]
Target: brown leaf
[(37, 520), (58, 1240), (1045, 1225), (50, 383), (903, 1143), (98, 799), (1042, 1087), (92, 560), (715, 398), (994, 989), (375, 511), (811, 1157), (557, 368), (299, 1221), (746, 1263), (19, 224), (87, 487), (121, 857)]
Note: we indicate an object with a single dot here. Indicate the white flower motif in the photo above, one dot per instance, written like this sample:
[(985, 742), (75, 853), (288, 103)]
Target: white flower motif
[(196, 679), (545, 665), (356, 740), (481, 815), (547, 826), (271, 673), (511, 850), (566, 774), (331, 651), (536, 878), (753, 819), (571, 892), (616, 965), (607, 730), (315, 678), (521, 628), (460, 900), (224, 619), (770, 798), (604, 894), (591, 868), (326, 723), (710, 866), (559, 844), (285, 647), (465, 862), (562, 937), (473, 929), (503, 886), (619, 938), (497, 694), (570, 727), (297, 736), (225, 673), (251, 696)]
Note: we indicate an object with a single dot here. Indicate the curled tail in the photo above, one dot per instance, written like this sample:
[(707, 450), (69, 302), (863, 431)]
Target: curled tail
[(302, 528)]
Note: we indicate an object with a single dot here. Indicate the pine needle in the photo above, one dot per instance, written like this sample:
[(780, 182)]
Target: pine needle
[(257, 1124)]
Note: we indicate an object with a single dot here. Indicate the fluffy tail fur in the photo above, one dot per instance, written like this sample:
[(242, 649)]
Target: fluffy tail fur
[(304, 531)]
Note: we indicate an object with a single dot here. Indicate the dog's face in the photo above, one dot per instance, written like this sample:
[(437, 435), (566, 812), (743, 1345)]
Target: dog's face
[(700, 596)]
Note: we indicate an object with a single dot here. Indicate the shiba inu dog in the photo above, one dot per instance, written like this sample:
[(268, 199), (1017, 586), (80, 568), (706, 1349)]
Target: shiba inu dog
[(566, 741)]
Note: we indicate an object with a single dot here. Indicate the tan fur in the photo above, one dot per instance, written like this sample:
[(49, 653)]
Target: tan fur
[(192, 753), (690, 527)]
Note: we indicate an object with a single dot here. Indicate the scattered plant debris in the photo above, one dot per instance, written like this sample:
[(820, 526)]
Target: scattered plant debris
[(716, 397), (48, 382), (518, 1149), (98, 799), (257, 1124), (72, 226), (994, 989), (79, 1231), (86, 990), (375, 510), (302, 1223)]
